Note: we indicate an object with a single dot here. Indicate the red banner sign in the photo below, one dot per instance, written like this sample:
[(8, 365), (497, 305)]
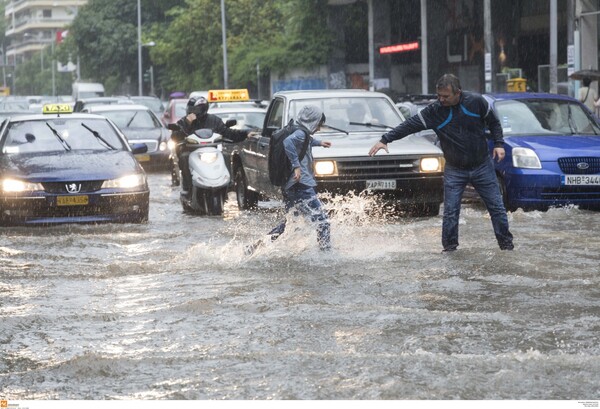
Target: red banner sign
[(399, 48)]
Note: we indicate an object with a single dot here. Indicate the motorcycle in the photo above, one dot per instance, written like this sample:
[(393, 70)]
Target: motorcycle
[(210, 175)]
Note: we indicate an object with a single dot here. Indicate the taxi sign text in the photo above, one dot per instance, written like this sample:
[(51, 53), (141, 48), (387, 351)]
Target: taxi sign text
[(228, 95), (57, 109)]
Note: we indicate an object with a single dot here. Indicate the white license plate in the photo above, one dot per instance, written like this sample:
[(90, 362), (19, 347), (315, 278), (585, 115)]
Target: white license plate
[(583, 180), (381, 184)]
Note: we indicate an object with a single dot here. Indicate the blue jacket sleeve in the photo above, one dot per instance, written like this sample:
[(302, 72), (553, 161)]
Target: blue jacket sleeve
[(493, 124)]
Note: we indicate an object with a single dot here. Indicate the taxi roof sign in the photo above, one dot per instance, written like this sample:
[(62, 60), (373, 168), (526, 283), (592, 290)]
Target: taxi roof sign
[(228, 95), (57, 109)]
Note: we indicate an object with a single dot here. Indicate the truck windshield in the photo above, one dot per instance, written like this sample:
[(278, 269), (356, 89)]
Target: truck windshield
[(351, 113)]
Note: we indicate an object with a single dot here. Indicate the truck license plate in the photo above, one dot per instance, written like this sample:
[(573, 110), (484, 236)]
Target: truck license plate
[(381, 184)]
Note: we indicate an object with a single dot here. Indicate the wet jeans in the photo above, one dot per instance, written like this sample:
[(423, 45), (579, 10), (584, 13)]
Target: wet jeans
[(483, 179), (304, 199)]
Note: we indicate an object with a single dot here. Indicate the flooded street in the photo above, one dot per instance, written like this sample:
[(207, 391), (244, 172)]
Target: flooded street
[(175, 310)]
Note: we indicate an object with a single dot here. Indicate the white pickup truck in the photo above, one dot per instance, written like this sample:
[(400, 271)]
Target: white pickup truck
[(410, 175)]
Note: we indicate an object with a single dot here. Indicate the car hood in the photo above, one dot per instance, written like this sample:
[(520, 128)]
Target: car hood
[(358, 144), (61, 166), (549, 148), (133, 134)]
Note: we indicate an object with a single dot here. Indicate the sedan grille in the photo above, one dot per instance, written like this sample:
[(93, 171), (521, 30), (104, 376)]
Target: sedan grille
[(580, 165), (62, 187)]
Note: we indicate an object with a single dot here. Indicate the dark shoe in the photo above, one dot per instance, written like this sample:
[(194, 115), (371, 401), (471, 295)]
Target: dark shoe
[(507, 246), (449, 250)]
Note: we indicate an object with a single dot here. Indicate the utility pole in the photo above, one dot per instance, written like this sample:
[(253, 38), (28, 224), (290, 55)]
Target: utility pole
[(489, 46), (424, 61), (224, 35), (553, 48)]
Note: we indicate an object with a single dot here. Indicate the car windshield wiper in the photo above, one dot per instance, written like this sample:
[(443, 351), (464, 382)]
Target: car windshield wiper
[(131, 120), (372, 125), (60, 138), (100, 138), (335, 129), (572, 126)]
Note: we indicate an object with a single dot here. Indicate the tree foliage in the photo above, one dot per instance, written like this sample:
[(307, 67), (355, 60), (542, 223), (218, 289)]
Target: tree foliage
[(279, 35)]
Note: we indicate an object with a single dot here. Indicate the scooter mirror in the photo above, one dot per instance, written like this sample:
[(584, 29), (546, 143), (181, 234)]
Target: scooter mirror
[(230, 123), (173, 127)]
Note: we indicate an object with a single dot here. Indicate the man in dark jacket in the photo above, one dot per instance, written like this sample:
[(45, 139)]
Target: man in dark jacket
[(197, 117), (459, 119)]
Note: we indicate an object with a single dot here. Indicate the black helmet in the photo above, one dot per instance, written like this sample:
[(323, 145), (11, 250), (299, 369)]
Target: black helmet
[(198, 106)]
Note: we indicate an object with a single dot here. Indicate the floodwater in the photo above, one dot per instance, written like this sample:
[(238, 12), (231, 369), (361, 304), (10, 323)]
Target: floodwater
[(175, 310)]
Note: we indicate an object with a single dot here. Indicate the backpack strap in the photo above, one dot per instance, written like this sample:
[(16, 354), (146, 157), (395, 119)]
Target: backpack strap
[(305, 143)]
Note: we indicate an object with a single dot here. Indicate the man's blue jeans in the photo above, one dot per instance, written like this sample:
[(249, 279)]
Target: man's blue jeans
[(483, 179), (304, 199)]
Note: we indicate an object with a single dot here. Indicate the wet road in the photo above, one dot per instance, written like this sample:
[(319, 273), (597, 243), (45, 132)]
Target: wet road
[(174, 310)]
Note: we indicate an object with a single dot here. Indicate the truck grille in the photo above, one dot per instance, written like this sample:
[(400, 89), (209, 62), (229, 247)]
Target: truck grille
[(377, 168)]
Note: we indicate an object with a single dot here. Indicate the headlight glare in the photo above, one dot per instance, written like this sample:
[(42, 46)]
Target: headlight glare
[(15, 186), (525, 158), (163, 146), (208, 157), (430, 165), (171, 144), (125, 182), (325, 168)]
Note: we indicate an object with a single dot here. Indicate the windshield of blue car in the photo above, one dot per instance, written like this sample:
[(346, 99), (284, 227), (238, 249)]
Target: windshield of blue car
[(352, 114), (134, 118), (544, 117), (36, 136)]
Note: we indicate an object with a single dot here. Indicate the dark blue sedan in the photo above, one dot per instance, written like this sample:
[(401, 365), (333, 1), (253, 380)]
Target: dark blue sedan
[(69, 168), (552, 147)]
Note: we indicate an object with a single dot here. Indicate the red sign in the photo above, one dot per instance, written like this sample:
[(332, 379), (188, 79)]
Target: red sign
[(399, 48), (61, 35)]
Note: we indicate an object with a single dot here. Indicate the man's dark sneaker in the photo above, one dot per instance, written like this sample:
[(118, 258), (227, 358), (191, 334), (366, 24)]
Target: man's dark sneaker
[(507, 246), (449, 250)]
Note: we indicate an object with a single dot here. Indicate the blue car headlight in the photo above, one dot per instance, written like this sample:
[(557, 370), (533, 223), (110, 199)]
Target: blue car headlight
[(125, 182), (525, 158)]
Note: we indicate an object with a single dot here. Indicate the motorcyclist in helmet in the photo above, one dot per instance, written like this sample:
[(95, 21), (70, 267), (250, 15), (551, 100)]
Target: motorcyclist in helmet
[(197, 117)]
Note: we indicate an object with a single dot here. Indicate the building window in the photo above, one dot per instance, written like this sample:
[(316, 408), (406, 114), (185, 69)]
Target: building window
[(47, 13)]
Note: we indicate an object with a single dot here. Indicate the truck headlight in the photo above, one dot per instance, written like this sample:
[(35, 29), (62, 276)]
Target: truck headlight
[(125, 182), (525, 158), (325, 168), (208, 157), (430, 165), (15, 186)]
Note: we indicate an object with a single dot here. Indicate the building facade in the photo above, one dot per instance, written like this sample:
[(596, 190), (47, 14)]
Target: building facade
[(31, 25)]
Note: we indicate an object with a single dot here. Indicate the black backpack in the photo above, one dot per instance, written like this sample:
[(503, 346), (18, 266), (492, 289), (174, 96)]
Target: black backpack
[(280, 167)]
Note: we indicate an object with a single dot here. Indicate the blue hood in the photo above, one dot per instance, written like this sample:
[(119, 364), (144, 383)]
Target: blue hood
[(550, 148), (60, 166)]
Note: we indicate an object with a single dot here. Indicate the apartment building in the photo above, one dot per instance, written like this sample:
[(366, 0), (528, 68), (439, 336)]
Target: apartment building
[(31, 25)]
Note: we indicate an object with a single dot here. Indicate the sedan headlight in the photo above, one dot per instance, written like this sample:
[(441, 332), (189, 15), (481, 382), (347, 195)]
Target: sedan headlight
[(208, 157), (325, 168), (430, 165), (125, 182), (171, 144), (16, 186), (525, 158), (163, 146)]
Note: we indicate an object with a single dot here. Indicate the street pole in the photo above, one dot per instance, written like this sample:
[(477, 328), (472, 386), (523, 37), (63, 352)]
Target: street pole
[(489, 46), (53, 66), (224, 33), (553, 48), (371, 46), (139, 43), (424, 61)]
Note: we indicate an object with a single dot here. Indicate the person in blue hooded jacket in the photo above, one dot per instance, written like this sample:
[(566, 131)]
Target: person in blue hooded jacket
[(300, 190), (459, 119)]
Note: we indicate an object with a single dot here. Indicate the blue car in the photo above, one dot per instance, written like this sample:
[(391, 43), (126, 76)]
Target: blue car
[(552, 147), (61, 167)]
